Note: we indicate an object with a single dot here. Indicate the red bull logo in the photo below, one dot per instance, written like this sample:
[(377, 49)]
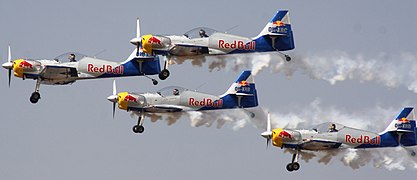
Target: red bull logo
[(25, 65), (105, 69), (205, 102), (284, 134), (403, 120), (278, 23), (154, 40), (237, 45), (362, 140), (243, 83), (130, 98)]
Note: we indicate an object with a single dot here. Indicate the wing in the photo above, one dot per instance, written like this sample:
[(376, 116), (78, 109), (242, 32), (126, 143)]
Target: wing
[(164, 108), (51, 72), (320, 145), (189, 49)]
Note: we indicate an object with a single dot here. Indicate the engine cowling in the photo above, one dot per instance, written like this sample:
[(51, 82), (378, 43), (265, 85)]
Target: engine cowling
[(281, 136), (126, 100), (21, 66), (150, 42)]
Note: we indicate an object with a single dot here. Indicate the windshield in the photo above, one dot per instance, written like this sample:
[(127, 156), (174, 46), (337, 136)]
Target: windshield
[(327, 127), (67, 56), (200, 32), (171, 91)]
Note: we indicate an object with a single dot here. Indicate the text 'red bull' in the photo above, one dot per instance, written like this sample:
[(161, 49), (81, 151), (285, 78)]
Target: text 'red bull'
[(105, 69), (363, 140), (25, 65), (205, 102), (237, 45)]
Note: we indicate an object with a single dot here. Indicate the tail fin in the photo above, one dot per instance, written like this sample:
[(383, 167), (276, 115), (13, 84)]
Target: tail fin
[(404, 127), (242, 93), (278, 33)]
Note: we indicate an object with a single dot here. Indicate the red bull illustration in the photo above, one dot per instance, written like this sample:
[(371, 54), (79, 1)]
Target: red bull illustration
[(154, 40), (243, 83), (25, 64), (278, 23), (130, 98), (284, 134)]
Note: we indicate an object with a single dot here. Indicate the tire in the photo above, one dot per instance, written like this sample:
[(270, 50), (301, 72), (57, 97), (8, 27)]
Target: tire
[(138, 129), (288, 58), (154, 82), (289, 167), (295, 166), (164, 74), (34, 98)]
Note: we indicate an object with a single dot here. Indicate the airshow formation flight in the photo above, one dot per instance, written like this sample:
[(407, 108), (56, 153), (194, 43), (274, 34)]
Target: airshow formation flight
[(276, 36)]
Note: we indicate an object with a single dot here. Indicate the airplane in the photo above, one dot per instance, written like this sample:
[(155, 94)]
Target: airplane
[(241, 94), (329, 136), (60, 71), (277, 36)]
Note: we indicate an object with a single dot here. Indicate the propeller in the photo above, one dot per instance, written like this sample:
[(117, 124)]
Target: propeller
[(113, 98), (137, 40), (9, 65), (268, 133)]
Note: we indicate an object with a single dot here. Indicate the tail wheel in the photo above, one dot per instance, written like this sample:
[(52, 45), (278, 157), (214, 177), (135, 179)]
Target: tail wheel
[(295, 166), (138, 129), (289, 167)]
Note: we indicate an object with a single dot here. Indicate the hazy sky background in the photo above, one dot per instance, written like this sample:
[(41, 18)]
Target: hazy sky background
[(70, 133)]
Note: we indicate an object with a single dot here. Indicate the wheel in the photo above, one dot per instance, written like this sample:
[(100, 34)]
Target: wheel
[(164, 74), (413, 153), (34, 98), (154, 82), (289, 167), (252, 115), (295, 166), (138, 129), (287, 58)]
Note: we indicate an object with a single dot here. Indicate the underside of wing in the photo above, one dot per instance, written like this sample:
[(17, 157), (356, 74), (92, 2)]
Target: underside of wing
[(320, 145), (164, 108), (58, 72)]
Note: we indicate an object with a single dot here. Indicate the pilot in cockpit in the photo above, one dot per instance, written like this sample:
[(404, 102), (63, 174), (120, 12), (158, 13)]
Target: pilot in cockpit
[(332, 128), (72, 58), (203, 33), (176, 92)]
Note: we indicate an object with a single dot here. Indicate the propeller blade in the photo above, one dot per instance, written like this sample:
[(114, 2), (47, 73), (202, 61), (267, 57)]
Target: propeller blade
[(268, 125), (9, 60), (139, 45), (114, 87), (114, 109), (137, 28), (10, 76), (9, 57), (268, 141)]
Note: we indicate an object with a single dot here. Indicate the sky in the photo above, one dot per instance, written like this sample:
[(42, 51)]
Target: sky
[(354, 63)]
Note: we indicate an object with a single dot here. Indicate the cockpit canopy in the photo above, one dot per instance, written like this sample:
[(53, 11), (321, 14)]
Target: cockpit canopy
[(65, 57), (200, 32), (171, 91), (325, 127)]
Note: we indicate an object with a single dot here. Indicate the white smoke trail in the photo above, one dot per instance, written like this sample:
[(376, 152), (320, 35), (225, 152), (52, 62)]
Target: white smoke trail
[(390, 70)]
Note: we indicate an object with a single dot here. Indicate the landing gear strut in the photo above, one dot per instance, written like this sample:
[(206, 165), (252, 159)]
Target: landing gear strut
[(294, 166), (164, 73), (139, 127), (34, 98)]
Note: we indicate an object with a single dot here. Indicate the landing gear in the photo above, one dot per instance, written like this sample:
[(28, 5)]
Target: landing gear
[(139, 127), (154, 82), (34, 98), (287, 58), (164, 74), (294, 166)]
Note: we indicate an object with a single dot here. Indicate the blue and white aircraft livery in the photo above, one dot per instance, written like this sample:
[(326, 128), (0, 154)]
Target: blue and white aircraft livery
[(400, 132), (277, 35), (241, 94)]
